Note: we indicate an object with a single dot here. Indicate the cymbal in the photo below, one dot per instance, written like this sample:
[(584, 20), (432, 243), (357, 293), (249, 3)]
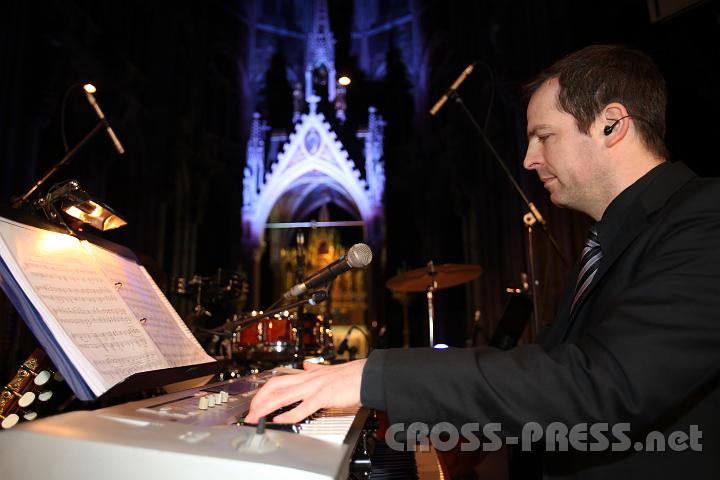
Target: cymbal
[(447, 275)]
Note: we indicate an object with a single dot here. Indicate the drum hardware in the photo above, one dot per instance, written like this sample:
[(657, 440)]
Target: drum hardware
[(431, 278), (430, 292), (211, 289), (211, 294)]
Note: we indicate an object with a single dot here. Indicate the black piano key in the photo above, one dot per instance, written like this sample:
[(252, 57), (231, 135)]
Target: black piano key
[(285, 427), (389, 464)]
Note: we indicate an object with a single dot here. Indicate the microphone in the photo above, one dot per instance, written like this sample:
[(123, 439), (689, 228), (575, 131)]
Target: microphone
[(456, 84), (89, 90), (359, 256)]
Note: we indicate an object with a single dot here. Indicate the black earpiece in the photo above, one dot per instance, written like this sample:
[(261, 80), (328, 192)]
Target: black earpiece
[(609, 128)]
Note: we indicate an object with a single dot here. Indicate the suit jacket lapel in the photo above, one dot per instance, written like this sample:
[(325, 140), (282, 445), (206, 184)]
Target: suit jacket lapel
[(652, 199)]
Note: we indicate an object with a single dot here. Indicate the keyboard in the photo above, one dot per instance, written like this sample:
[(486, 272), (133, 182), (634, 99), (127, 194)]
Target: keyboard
[(181, 436)]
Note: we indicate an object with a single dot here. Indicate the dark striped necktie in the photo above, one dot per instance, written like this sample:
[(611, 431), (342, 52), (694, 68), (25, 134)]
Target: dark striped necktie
[(589, 264)]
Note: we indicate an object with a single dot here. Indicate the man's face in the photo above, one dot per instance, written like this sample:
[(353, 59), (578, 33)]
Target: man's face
[(564, 158)]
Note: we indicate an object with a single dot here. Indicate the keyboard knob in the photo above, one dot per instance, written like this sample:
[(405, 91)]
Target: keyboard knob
[(211, 401), (203, 403)]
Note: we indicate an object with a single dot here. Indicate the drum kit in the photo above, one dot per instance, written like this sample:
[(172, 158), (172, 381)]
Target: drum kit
[(269, 340), (274, 339)]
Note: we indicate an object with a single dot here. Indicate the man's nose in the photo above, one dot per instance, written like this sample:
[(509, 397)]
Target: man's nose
[(532, 159)]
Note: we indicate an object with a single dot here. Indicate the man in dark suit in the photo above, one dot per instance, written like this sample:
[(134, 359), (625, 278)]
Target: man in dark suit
[(636, 343)]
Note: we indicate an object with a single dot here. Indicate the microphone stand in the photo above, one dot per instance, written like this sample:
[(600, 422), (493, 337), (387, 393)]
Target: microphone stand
[(299, 276), (529, 218), (16, 202)]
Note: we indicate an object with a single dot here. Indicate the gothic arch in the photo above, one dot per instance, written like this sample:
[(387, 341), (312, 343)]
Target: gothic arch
[(313, 155)]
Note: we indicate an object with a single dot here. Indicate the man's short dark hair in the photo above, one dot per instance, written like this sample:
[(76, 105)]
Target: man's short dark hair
[(597, 75)]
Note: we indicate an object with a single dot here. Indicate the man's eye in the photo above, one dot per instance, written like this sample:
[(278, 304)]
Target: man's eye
[(542, 138)]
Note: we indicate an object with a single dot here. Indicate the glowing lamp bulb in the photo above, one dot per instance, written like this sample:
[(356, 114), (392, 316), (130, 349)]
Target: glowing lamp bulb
[(89, 88)]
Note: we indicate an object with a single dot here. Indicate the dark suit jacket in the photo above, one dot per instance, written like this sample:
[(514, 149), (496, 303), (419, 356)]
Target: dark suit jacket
[(643, 347)]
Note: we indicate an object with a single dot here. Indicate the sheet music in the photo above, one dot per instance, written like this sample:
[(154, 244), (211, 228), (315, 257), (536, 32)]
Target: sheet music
[(82, 309), (147, 302)]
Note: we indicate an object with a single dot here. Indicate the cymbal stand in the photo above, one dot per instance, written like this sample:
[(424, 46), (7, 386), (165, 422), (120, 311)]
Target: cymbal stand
[(430, 298)]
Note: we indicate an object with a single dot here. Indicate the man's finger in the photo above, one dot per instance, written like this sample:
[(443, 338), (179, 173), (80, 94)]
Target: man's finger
[(312, 366), (265, 408), (271, 386), (302, 411), (273, 399)]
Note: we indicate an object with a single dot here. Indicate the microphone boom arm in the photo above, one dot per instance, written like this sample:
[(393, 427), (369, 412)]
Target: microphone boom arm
[(530, 205), (16, 202)]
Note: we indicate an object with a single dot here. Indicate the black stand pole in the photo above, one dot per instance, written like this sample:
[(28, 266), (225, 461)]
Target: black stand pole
[(529, 219), (16, 202), (299, 276), (531, 206)]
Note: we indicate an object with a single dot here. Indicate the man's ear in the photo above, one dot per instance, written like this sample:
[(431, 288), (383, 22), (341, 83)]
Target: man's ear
[(614, 122)]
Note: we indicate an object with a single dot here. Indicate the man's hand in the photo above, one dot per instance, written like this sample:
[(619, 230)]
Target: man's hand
[(319, 386)]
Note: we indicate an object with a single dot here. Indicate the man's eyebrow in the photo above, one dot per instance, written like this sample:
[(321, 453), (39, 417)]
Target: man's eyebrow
[(535, 129)]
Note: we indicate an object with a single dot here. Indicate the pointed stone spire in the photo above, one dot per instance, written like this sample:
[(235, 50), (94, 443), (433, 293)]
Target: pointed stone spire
[(320, 50), (254, 171), (374, 165)]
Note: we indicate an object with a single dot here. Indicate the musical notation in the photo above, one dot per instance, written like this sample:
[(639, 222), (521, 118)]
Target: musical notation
[(83, 311), (150, 307)]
